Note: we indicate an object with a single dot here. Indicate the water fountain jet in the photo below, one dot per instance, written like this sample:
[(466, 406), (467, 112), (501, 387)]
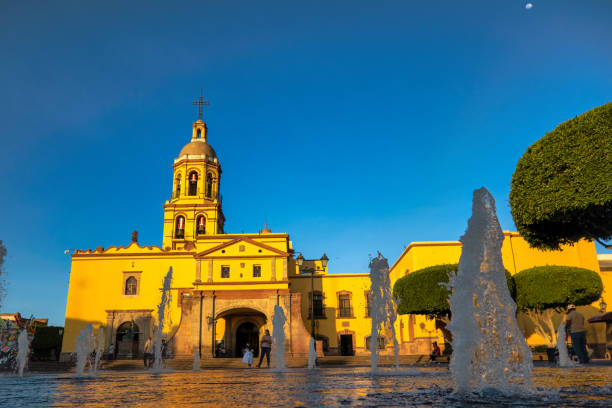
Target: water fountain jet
[(23, 351), (83, 348), (99, 349), (383, 310), (196, 360), (564, 359), (489, 350), (162, 308), (312, 354), (278, 336)]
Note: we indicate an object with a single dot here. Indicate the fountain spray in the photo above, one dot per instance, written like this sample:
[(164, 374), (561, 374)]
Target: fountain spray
[(564, 360), (312, 354), (162, 308), (278, 336), (99, 349), (489, 350), (196, 360), (83, 348), (23, 350), (383, 310)]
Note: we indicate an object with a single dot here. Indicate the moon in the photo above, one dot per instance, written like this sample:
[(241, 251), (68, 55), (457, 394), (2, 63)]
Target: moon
[(528, 6)]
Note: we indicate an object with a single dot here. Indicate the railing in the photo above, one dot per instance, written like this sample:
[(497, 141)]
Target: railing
[(345, 312)]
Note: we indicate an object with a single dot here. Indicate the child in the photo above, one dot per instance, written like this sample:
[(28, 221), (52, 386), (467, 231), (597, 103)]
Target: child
[(247, 356)]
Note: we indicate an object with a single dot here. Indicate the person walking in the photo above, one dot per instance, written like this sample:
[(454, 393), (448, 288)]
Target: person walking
[(148, 356), (435, 353), (574, 325), (266, 345), (247, 355), (110, 355)]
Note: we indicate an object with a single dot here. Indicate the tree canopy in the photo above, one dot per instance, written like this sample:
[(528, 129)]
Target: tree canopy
[(562, 186), (420, 291), (553, 287)]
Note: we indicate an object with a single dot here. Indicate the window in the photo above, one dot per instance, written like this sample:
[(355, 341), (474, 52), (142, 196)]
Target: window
[(225, 271), (257, 271), (193, 183), (368, 303), (200, 225), (209, 185), (130, 283), (344, 305), (381, 342), (131, 286), (319, 308), (177, 190), (179, 231)]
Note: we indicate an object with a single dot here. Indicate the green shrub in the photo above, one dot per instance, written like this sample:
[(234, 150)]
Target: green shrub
[(553, 287), (540, 348), (47, 337), (420, 291), (562, 186)]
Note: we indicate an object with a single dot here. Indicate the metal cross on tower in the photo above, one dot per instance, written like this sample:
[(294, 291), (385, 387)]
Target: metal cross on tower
[(200, 103)]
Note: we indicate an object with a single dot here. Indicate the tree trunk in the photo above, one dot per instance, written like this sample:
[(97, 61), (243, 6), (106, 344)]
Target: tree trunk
[(543, 325)]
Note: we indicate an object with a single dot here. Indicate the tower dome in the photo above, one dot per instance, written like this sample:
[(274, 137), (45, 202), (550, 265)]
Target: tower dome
[(198, 148)]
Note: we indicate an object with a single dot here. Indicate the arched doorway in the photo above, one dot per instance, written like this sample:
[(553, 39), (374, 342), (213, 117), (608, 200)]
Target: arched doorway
[(127, 340), (247, 332)]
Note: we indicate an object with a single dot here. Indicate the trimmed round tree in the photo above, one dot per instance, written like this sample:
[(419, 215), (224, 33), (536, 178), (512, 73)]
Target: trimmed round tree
[(543, 291), (423, 291), (562, 186)]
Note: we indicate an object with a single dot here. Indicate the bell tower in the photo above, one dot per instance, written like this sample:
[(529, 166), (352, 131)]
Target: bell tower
[(194, 209)]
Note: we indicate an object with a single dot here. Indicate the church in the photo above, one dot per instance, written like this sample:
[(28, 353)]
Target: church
[(225, 286)]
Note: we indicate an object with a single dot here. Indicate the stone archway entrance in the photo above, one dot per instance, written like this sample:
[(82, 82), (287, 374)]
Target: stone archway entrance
[(128, 336), (242, 326), (247, 333)]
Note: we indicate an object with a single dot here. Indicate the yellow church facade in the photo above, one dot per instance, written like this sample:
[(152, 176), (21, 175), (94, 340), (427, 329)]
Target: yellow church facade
[(225, 286)]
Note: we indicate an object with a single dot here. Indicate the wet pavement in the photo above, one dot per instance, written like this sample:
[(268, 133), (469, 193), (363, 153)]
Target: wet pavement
[(342, 386)]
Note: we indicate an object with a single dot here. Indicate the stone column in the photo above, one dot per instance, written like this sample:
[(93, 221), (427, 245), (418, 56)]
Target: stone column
[(273, 268), (187, 334), (207, 329), (285, 269), (210, 270)]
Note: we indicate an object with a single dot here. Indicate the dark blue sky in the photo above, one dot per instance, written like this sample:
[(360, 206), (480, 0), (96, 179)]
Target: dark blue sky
[(354, 126)]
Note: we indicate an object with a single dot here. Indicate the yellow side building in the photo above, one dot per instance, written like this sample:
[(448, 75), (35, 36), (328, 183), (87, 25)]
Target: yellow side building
[(225, 286)]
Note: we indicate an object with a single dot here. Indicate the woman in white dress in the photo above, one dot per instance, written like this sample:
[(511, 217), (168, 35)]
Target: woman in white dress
[(247, 355)]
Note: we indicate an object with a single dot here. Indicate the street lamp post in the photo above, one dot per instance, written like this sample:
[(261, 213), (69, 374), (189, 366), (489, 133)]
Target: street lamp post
[(300, 261)]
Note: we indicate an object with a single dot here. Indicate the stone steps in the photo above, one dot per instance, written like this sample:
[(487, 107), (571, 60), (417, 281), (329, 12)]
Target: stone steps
[(186, 363)]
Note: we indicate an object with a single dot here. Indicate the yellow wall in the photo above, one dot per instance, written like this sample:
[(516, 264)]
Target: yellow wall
[(331, 285), (97, 284)]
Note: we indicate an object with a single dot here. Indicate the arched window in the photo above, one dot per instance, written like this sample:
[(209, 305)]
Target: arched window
[(179, 231), (193, 183), (177, 189), (199, 133), (200, 225), (209, 185), (131, 286)]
